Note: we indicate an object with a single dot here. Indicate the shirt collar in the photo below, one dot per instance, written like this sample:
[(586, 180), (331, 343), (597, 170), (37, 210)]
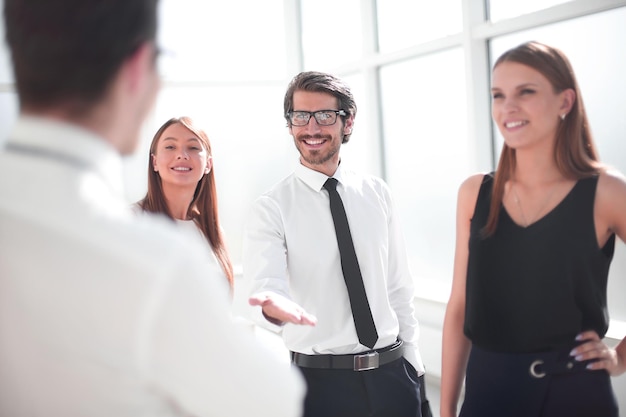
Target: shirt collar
[(316, 179), (66, 142)]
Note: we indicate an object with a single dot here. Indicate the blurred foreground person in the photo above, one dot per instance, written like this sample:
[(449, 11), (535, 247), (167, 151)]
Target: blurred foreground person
[(101, 313)]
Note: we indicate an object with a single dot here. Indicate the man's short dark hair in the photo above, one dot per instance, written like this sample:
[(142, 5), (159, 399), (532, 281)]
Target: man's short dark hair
[(68, 51)]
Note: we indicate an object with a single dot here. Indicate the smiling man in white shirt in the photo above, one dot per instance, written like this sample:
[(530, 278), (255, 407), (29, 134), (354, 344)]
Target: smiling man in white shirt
[(103, 313), (294, 273)]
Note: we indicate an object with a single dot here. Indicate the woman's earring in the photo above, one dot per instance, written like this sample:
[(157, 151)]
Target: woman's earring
[(563, 116)]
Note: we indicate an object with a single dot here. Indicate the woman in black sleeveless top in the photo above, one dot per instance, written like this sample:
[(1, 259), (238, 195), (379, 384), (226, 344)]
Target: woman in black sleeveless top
[(527, 311)]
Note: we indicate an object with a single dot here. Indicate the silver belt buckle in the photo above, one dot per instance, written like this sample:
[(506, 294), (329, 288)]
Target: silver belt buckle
[(366, 362), (533, 369)]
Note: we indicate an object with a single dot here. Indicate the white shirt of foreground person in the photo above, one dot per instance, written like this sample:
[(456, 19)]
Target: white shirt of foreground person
[(290, 248), (103, 313)]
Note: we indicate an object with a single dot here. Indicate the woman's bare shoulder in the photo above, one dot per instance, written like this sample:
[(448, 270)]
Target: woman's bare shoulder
[(468, 193), (611, 201), (611, 186), (611, 177), (471, 185)]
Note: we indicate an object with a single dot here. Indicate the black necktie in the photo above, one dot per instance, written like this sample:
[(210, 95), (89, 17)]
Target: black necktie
[(363, 320)]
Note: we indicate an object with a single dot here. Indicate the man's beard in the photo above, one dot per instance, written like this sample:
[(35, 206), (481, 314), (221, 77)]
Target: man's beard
[(316, 157)]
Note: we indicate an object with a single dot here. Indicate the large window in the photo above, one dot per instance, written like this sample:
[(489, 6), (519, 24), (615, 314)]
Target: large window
[(230, 41), (426, 146), (505, 9), (331, 33), (406, 23)]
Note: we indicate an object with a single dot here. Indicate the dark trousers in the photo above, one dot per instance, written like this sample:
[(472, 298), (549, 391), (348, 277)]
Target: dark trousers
[(502, 384), (392, 390)]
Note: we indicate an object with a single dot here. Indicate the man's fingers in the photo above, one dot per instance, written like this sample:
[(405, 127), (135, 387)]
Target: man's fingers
[(254, 301), (309, 319), (258, 300), (283, 311)]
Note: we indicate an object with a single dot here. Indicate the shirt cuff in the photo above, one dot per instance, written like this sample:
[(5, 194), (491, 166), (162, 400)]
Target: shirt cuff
[(412, 354)]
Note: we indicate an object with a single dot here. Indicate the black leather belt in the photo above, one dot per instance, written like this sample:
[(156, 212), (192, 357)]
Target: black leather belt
[(543, 366), (358, 362)]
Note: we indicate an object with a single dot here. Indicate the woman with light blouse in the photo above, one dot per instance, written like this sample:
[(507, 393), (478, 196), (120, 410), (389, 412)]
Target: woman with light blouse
[(181, 185)]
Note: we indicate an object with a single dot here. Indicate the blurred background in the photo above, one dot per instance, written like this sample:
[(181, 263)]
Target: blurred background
[(420, 73)]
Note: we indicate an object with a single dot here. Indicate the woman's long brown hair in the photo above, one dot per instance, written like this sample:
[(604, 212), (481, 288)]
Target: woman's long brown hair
[(203, 208), (575, 153)]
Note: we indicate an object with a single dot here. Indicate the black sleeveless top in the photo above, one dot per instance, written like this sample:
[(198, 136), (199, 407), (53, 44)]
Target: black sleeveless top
[(535, 288)]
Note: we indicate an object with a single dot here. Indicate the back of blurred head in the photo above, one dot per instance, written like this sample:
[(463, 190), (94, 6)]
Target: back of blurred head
[(89, 62)]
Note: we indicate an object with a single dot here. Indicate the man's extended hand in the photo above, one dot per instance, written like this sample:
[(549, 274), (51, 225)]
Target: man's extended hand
[(278, 309)]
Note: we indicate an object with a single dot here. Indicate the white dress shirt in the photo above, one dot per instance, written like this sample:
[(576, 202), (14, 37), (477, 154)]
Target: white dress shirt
[(104, 313), (290, 248)]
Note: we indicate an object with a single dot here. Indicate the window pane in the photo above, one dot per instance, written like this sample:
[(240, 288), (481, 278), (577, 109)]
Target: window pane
[(425, 127), (505, 9), (404, 23), (600, 69), (362, 152), (331, 33), (222, 40)]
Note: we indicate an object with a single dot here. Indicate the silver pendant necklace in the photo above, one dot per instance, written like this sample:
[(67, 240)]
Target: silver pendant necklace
[(525, 221)]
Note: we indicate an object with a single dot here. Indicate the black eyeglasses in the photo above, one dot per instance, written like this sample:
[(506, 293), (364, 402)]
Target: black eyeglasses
[(322, 117)]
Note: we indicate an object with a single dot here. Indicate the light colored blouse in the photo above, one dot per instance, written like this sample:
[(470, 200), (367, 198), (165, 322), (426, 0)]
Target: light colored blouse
[(190, 227)]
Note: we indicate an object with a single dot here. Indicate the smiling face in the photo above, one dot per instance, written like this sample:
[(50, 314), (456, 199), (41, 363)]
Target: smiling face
[(180, 157), (525, 106), (319, 145)]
